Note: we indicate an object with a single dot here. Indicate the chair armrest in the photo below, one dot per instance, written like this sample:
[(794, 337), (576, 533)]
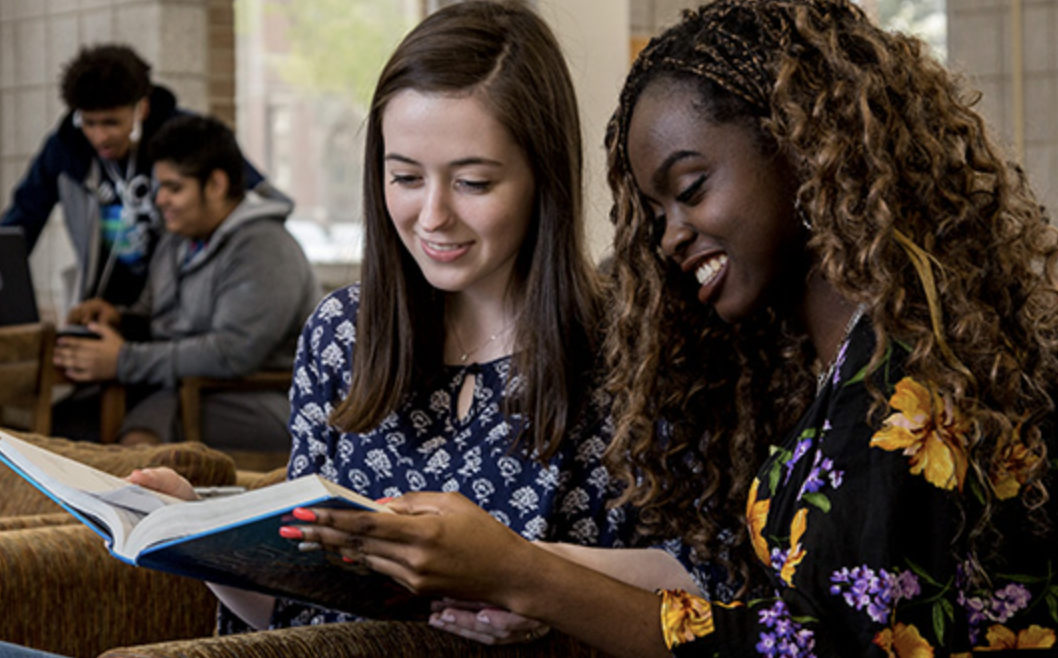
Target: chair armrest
[(65, 594), (191, 394), (369, 639), (36, 521), (200, 464)]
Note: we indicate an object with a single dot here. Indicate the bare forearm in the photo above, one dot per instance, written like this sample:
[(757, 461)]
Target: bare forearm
[(253, 608), (620, 619), (648, 568)]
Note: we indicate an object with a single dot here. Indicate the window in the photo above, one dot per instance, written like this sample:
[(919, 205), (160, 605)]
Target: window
[(926, 19), (306, 70)]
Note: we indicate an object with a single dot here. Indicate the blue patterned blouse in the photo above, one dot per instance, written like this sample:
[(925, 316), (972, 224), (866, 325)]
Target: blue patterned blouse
[(425, 446)]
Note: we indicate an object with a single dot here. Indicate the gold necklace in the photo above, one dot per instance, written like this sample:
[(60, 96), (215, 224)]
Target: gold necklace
[(465, 353)]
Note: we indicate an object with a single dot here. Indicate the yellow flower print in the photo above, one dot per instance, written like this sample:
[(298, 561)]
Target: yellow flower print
[(797, 552), (903, 642), (928, 430), (1034, 637), (1014, 463), (757, 515), (684, 617)]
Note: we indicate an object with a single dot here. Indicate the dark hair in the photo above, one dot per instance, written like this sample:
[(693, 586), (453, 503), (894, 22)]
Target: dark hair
[(915, 213), (197, 146), (505, 54), (104, 77)]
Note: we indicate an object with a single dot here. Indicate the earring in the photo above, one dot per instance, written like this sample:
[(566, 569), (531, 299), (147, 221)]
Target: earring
[(78, 119), (802, 215)]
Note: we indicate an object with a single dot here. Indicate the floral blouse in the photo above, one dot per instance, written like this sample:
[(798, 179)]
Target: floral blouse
[(425, 446), (856, 524)]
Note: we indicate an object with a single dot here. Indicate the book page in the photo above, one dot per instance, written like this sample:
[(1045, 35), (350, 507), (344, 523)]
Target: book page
[(212, 514), (81, 488), (137, 499)]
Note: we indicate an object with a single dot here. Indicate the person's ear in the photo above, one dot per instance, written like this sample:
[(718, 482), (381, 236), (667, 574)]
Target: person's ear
[(217, 185)]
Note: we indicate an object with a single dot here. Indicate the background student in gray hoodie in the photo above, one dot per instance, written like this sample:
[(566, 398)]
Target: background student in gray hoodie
[(227, 294)]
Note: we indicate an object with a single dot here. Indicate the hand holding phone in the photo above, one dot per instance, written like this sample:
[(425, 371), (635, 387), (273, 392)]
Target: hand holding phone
[(76, 331)]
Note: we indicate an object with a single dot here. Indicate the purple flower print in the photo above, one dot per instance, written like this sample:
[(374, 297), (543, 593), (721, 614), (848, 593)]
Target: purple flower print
[(997, 608), (799, 451), (786, 637), (822, 472), (778, 559), (876, 593)]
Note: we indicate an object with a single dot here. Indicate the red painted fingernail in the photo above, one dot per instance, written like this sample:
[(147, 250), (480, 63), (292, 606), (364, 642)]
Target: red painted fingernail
[(290, 532), (346, 558), (384, 500), (304, 514)]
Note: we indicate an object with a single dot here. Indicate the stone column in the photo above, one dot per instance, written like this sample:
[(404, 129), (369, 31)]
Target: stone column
[(595, 37)]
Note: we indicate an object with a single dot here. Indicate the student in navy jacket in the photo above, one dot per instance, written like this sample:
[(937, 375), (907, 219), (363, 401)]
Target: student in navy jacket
[(93, 165)]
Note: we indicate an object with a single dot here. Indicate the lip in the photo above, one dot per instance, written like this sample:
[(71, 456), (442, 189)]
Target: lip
[(444, 252), (709, 290)]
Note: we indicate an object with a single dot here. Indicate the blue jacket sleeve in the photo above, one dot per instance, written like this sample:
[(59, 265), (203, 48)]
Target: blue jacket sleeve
[(37, 193)]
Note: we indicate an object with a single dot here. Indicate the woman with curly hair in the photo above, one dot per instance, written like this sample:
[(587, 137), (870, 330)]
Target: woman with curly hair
[(835, 328)]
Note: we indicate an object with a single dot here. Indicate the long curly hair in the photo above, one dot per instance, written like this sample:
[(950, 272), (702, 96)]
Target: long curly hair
[(914, 213)]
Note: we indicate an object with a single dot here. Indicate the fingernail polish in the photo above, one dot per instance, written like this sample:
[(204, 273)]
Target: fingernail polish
[(304, 514), (384, 500), (290, 532)]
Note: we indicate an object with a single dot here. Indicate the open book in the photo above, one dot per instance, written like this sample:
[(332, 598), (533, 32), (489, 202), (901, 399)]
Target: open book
[(232, 540)]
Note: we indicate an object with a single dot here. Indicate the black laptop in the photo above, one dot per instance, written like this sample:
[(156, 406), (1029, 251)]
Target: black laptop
[(18, 303)]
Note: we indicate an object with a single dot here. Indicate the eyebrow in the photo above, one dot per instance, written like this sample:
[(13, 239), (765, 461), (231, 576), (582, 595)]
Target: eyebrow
[(662, 172), (462, 162)]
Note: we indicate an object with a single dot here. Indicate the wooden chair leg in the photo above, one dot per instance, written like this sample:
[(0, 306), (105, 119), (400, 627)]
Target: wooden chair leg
[(191, 408), (112, 412), (46, 381)]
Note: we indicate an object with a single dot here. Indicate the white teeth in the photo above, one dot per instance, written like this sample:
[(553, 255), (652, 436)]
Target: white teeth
[(708, 270), (443, 247)]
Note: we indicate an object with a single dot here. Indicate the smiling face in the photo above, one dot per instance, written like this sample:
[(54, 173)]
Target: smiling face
[(458, 189), (188, 207), (727, 207)]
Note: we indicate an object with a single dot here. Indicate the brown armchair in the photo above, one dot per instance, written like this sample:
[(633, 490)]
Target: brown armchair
[(26, 373), (370, 639), (60, 589)]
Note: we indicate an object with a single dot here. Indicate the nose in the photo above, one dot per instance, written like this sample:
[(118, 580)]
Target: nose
[(436, 212), (95, 135), (676, 238)]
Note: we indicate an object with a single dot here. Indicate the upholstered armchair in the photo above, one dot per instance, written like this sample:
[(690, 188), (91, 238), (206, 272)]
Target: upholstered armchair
[(60, 589), (371, 639), (62, 592)]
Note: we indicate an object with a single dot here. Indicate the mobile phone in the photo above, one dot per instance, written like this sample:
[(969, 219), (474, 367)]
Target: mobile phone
[(76, 331)]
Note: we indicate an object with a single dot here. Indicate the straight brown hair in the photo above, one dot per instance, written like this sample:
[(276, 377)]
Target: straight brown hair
[(506, 55)]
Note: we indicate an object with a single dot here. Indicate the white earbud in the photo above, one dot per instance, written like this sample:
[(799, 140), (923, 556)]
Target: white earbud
[(137, 127)]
